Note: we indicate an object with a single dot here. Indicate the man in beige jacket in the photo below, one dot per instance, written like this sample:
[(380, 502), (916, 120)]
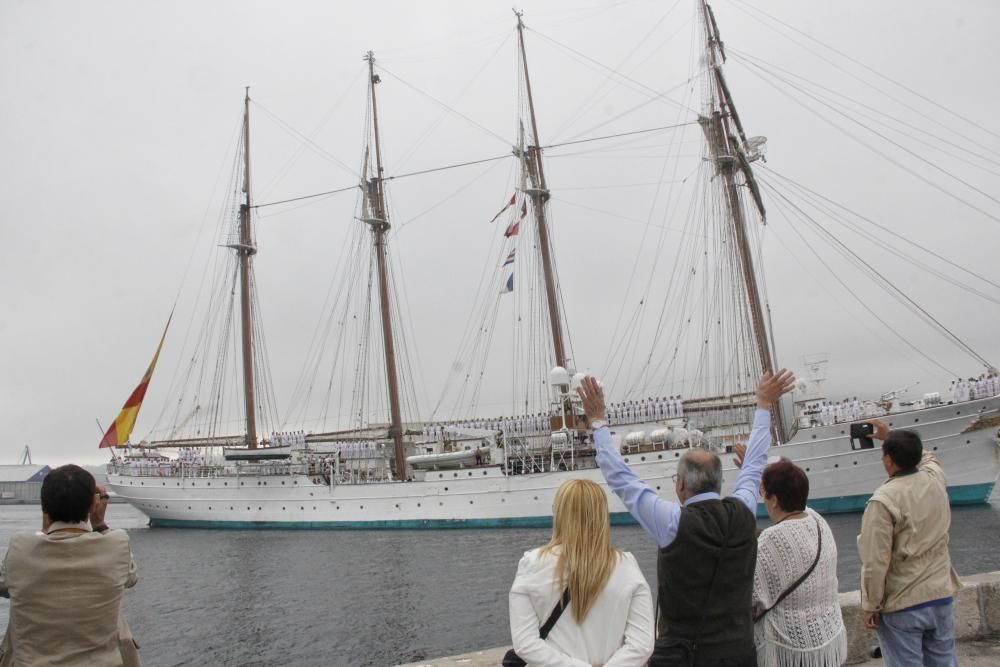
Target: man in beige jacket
[(907, 581), (65, 582)]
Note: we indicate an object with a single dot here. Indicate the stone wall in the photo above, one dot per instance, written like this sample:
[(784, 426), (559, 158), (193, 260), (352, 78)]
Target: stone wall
[(977, 614)]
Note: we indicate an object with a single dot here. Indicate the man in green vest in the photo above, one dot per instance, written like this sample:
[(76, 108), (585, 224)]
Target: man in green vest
[(708, 544)]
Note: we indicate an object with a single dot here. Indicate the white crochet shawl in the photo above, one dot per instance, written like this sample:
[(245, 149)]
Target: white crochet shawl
[(806, 628)]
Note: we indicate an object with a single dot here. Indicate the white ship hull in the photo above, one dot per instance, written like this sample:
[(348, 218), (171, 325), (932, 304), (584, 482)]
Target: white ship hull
[(841, 480)]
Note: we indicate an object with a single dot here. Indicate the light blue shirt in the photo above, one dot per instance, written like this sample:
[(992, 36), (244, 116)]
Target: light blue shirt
[(659, 517)]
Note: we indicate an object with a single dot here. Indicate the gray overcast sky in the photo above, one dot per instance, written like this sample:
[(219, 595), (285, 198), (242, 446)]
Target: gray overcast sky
[(119, 119)]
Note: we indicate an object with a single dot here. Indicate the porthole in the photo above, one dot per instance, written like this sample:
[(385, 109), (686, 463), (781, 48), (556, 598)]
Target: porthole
[(935, 449), (626, 460), (968, 442), (189, 507), (282, 509), (248, 509), (362, 507), (659, 456), (441, 504), (282, 482), (814, 436), (440, 475), (418, 504), (302, 508), (484, 472), (314, 507), (677, 455), (454, 474), (470, 473), (916, 419), (536, 497), (446, 488), (259, 508), (855, 463), (470, 502), (241, 483), (958, 412), (843, 432), (657, 488), (295, 481), (209, 507), (836, 465), (164, 484), (178, 483), (807, 469), (503, 500), (397, 505)]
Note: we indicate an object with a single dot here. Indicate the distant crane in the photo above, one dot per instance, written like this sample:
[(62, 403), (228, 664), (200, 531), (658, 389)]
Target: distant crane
[(26, 456)]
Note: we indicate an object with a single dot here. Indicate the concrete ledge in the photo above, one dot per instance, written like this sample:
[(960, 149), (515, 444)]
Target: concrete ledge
[(977, 617)]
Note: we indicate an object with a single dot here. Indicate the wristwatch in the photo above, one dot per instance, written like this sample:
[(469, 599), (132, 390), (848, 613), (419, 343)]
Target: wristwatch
[(597, 423)]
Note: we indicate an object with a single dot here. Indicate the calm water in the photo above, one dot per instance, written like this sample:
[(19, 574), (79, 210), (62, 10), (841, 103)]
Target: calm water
[(208, 597)]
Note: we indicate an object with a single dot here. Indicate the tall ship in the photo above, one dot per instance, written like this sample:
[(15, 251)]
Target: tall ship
[(385, 465)]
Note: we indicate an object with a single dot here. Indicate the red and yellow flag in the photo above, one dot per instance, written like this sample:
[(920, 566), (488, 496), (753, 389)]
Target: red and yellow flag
[(120, 430)]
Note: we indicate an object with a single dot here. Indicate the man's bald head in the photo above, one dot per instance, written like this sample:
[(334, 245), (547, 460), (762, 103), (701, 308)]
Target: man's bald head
[(701, 472)]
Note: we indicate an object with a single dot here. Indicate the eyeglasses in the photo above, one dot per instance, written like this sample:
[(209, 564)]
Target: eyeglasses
[(673, 478)]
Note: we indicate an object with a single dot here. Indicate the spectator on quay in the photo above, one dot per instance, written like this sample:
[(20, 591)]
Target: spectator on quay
[(65, 582), (708, 545), (608, 618), (907, 581), (797, 619)]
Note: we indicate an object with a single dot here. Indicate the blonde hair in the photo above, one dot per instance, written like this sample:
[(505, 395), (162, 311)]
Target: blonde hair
[(582, 531)]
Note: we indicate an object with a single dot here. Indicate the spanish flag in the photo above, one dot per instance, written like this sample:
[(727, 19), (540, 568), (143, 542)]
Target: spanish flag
[(120, 430)]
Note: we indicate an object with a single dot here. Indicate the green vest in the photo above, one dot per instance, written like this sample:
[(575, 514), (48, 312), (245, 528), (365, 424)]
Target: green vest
[(684, 572)]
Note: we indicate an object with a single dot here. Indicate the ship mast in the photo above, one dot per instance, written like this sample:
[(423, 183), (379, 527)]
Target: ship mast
[(731, 154), (246, 250), (377, 216), (539, 193)]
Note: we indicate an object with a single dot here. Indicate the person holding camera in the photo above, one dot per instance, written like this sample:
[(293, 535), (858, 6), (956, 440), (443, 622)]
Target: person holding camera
[(708, 544), (907, 581), (65, 582)]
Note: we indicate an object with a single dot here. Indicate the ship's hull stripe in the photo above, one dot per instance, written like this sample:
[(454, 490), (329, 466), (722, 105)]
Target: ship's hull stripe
[(972, 494)]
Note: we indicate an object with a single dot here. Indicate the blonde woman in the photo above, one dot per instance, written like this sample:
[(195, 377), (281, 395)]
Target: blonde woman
[(609, 619)]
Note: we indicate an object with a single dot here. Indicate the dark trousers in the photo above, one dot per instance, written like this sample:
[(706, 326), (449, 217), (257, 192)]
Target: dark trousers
[(748, 660)]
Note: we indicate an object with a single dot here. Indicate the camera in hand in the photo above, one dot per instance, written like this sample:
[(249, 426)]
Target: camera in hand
[(861, 436)]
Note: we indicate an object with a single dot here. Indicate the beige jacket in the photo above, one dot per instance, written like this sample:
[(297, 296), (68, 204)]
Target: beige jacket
[(65, 593), (904, 541)]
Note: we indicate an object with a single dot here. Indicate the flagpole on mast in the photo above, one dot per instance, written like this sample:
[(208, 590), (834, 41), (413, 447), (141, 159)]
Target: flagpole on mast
[(246, 250), (539, 193), (378, 219)]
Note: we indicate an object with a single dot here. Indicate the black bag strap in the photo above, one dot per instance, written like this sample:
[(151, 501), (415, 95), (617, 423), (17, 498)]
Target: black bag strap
[(788, 591), (544, 631)]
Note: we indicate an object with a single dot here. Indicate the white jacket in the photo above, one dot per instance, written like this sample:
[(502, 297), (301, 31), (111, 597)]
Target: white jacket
[(617, 631)]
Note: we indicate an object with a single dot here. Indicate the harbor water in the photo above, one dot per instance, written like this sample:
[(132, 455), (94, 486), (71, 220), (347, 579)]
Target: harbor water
[(286, 597)]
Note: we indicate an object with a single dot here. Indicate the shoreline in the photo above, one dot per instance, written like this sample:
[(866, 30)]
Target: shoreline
[(977, 629)]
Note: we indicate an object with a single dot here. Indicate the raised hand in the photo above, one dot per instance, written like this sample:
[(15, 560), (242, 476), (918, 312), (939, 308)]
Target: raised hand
[(881, 430), (592, 395), (741, 451), (772, 386)]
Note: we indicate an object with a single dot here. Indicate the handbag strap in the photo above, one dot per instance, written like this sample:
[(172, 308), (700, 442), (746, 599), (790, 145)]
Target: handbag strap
[(543, 632), (788, 591)]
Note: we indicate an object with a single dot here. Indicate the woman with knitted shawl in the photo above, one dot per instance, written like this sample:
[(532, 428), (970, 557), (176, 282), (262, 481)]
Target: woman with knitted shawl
[(796, 611)]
